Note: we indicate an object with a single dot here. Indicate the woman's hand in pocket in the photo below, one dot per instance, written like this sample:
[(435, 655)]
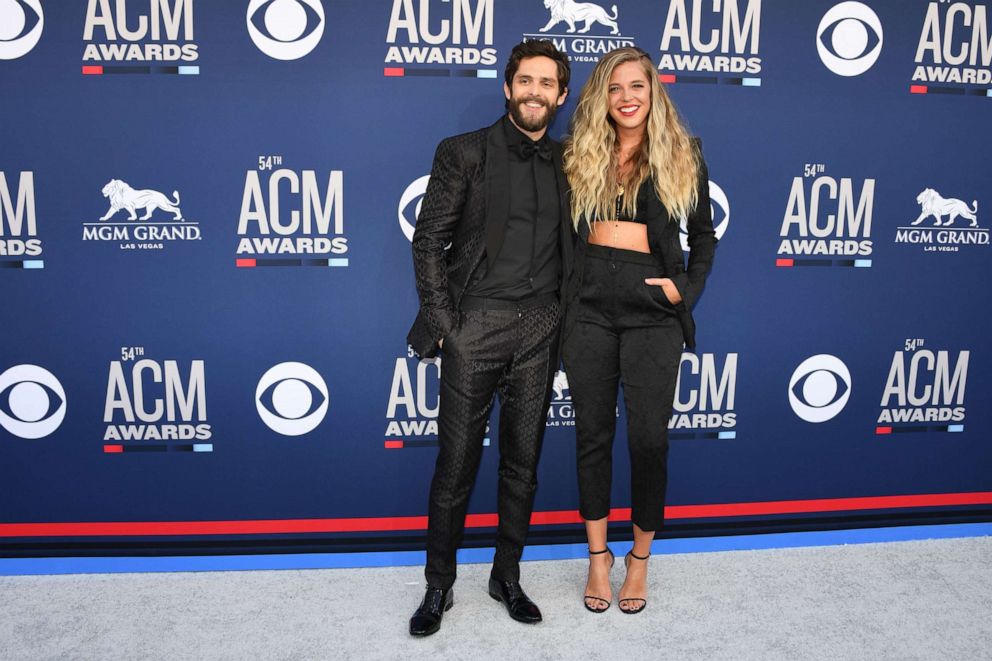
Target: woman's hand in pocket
[(667, 286)]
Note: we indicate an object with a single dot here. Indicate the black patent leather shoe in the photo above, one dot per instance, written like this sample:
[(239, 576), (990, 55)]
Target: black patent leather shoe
[(427, 619), (517, 604)]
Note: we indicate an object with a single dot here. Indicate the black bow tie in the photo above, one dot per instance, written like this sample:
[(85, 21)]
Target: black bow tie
[(526, 150)]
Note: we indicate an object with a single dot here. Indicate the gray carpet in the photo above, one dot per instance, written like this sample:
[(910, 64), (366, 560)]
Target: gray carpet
[(904, 600)]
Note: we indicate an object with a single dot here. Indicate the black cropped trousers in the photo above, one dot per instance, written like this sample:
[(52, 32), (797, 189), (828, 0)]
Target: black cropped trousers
[(624, 332)]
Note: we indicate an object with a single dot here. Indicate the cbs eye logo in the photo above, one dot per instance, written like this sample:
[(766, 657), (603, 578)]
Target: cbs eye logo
[(285, 29), (291, 399), (414, 192), (849, 38), (719, 207), (32, 401), (819, 388), (21, 23)]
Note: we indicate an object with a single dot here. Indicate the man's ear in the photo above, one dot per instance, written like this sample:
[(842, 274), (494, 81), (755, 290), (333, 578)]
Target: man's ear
[(506, 91), (563, 96)]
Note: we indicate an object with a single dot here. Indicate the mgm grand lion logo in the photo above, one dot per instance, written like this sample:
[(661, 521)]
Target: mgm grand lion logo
[(560, 387), (932, 204), (122, 196), (571, 12)]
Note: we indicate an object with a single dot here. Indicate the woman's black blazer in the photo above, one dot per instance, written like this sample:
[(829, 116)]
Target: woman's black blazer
[(663, 240)]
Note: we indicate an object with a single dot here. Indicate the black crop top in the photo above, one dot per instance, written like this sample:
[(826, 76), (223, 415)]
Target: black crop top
[(647, 205)]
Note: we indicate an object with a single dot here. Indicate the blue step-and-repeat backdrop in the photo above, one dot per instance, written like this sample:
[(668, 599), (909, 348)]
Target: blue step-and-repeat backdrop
[(205, 217)]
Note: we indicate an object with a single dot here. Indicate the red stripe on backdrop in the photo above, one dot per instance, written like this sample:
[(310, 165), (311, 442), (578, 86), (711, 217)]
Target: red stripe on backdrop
[(385, 524)]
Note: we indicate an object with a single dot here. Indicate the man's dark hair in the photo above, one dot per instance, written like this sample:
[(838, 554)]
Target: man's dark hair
[(542, 47)]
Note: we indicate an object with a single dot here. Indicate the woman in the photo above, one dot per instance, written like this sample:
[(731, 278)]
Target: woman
[(635, 173)]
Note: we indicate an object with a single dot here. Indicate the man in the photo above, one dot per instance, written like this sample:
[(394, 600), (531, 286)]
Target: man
[(492, 304)]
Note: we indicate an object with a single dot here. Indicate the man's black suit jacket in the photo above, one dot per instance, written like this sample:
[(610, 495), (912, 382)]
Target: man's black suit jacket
[(466, 205)]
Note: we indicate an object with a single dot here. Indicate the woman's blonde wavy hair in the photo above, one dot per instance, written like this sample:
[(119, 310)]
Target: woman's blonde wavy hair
[(667, 153)]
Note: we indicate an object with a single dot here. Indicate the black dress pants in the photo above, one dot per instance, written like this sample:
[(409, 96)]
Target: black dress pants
[(626, 332), (509, 350)]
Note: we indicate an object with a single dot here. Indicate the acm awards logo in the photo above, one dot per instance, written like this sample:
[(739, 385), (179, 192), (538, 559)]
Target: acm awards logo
[(291, 217), (291, 399), (161, 221), (285, 29), (155, 405), (711, 38), (849, 38), (569, 24), (414, 401), (820, 388), (21, 25), (924, 386), (945, 224), (954, 51), (414, 394), (705, 396), (128, 36), (32, 401), (827, 216), (18, 222), (440, 38)]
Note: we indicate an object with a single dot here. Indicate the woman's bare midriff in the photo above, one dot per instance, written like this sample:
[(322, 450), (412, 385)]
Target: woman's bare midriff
[(620, 234)]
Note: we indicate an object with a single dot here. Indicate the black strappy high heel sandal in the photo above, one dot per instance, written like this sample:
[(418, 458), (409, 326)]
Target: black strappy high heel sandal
[(636, 604), (600, 600)]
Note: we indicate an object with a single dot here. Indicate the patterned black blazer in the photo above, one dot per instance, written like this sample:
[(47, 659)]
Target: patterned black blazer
[(466, 205)]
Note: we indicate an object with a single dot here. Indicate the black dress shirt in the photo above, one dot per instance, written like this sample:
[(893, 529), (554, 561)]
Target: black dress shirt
[(529, 261)]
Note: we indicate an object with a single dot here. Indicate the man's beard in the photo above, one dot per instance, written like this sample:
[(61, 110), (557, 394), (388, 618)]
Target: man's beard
[(536, 124)]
